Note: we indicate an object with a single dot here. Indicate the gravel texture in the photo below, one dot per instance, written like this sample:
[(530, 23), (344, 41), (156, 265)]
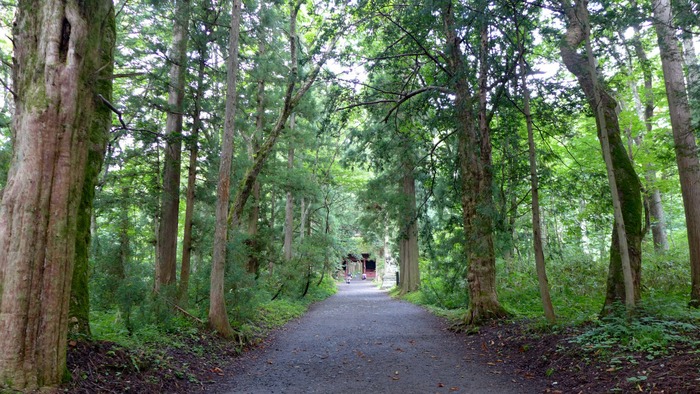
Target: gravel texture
[(361, 340)]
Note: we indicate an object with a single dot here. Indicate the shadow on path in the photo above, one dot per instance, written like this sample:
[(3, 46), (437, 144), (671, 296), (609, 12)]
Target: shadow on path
[(361, 340)]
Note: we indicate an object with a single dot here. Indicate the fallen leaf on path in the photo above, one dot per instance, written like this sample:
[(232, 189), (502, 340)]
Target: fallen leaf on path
[(454, 388), (441, 385)]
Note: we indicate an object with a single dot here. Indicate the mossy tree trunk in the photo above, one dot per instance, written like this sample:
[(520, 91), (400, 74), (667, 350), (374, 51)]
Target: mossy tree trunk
[(79, 309), (474, 147), (63, 63), (626, 180)]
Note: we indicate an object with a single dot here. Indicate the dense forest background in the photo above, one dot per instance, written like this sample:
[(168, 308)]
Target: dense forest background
[(253, 145)]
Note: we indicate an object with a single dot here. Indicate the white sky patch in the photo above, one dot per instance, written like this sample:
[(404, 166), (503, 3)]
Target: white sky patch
[(352, 72)]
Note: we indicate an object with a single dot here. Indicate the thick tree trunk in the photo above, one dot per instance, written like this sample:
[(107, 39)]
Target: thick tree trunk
[(218, 317), (408, 242), (690, 58), (474, 147), (627, 185), (534, 184), (184, 284), (79, 313), (63, 62), (166, 266), (683, 137)]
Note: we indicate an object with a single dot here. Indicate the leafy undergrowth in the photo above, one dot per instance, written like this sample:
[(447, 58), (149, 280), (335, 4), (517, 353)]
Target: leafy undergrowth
[(610, 357), (181, 358), (658, 350)]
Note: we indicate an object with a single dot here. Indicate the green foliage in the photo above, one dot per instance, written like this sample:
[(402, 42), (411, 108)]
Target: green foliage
[(651, 335)]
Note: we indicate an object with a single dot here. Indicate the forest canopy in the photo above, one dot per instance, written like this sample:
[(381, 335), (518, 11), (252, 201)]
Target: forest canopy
[(191, 161)]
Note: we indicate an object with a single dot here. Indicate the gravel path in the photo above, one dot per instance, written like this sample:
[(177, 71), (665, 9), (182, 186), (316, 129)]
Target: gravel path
[(360, 340)]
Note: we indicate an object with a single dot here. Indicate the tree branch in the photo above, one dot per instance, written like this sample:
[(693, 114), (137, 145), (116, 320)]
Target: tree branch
[(435, 60)]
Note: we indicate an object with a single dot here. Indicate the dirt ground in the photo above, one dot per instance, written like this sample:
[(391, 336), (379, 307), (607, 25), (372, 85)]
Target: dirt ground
[(360, 340)]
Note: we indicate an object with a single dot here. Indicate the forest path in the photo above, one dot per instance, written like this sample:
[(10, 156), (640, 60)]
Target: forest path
[(361, 340)]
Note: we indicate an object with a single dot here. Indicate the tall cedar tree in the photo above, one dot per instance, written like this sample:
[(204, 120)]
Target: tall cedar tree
[(62, 73), (474, 147), (218, 317), (683, 137), (166, 266)]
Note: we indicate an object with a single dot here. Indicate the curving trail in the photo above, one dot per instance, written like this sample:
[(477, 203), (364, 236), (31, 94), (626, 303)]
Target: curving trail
[(360, 340)]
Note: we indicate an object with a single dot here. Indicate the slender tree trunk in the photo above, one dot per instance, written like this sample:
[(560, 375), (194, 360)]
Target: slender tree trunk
[(474, 147), (625, 251), (302, 221), (118, 269), (273, 208), (253, 265), (166, 266), (534, 184), (408, 242), (683, 136), (62, 63), (184, 284), (289, 206), (653, 196), (218, 317), (292, 97)]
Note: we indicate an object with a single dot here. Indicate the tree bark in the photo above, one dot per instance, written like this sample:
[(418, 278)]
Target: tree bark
[(693, 75), (623, 178), (63, 62), (408, 242), (218, 317), (253, 265), (185, 268), (166, 266), (289, 206), (474, 147), (683, 137), (79, 310), (652, 195), (534, 184), (291, 100)]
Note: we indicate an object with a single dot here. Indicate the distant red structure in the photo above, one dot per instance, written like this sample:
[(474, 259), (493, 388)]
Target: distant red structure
[(351, 264), (369, 267)]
